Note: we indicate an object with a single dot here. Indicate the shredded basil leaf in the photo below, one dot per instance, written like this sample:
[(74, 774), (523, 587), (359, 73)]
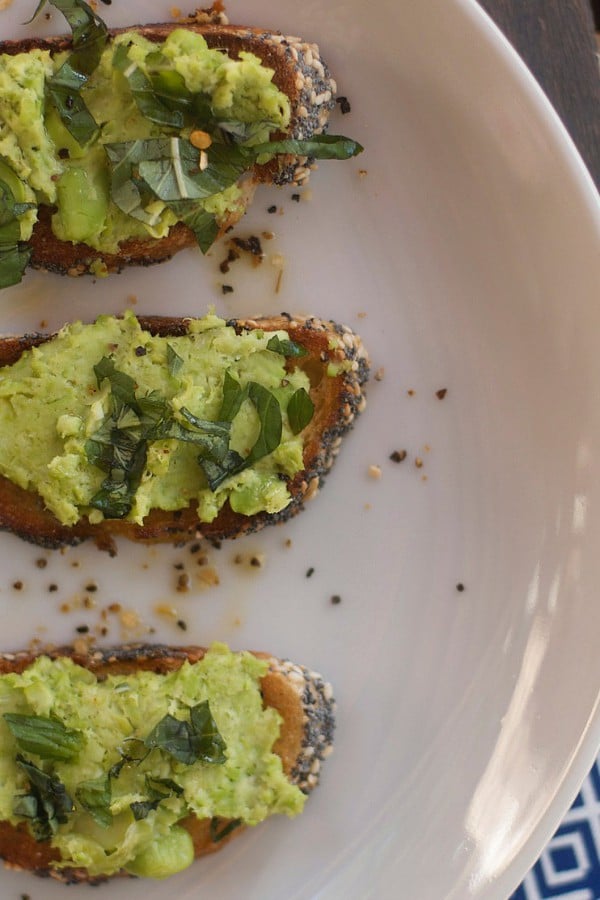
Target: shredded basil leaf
[(47, 738), (189, 742), (119, 447), (13, 262), (320, 146), (145, 96), (300, 410), (47, 804), (174, 361), (217, 834), (286, 348), (95, 797), (202, 223), (158, 789), (90, 36), (128, 758), (13, 259), (269, 437), (170, 89), (269, 413)]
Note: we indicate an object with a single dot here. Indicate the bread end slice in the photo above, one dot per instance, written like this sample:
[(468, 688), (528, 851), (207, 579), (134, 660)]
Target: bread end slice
[(299, 72), (302, 697)]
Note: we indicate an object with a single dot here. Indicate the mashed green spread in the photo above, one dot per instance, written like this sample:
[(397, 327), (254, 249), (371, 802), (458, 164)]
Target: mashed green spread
[(106, 420), (135, 755), (55, 168)]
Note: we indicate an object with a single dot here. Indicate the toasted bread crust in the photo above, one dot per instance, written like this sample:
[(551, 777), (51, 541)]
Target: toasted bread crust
[(337, 399), (299, 73), (302, 698)]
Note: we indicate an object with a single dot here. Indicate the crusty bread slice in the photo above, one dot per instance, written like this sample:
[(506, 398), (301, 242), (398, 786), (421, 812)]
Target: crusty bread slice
[(302, 698), (299, 72), (337, 399)]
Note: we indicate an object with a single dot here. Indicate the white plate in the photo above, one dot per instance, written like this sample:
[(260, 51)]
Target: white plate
[(467, 256)]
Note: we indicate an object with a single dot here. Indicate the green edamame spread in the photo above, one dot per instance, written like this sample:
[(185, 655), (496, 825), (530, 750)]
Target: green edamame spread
[(108, 421), (105, 770)]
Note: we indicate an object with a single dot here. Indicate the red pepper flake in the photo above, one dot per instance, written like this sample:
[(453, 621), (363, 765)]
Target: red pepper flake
[(441, 393)]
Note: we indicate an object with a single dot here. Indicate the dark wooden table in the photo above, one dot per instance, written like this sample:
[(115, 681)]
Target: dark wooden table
[(556, 39)]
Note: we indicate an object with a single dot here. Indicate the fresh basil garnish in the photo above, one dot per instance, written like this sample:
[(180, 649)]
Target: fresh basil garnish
[(202, 223), (119, 447), (285, 347), (189, 742), (13, 259), (90, 36), (217, 834), (13, 262), (300, 410), (129, 758), (170, 89), (158, 789), (47, 738), (95, 797), (269, 437), (143, 92), (47, 804), (319, 146), (174, 171), (174, 361)]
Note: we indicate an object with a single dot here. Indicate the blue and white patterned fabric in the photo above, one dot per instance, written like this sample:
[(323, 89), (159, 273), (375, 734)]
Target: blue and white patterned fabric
[(569, 867)]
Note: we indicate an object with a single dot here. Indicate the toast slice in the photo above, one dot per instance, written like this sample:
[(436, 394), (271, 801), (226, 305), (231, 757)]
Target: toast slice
[(337, 394), (299, 73), (301, 697)]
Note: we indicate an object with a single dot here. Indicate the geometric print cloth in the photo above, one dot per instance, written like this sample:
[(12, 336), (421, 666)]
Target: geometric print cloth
[(569, 867)]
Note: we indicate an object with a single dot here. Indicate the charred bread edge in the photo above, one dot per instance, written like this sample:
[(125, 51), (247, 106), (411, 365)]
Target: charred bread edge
[(314, 696), (299, 73), (350, 401)]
